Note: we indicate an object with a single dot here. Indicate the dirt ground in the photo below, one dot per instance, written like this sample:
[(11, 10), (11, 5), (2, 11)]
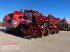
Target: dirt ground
[(52, 43)]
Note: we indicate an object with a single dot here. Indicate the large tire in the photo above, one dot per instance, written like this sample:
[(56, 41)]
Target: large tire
[(17, 31), (22, 31), (47, 31), (13, 30), (40, 34)]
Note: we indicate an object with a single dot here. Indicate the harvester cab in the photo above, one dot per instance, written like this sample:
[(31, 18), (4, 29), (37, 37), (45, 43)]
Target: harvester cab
[(27, 14), (28, 23)]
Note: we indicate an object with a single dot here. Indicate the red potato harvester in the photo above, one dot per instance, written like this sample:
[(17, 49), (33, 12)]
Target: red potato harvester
[(29, 23), (26, 23)]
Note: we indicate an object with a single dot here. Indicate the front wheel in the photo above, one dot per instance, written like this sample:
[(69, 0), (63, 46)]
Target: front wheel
[(23, 31)]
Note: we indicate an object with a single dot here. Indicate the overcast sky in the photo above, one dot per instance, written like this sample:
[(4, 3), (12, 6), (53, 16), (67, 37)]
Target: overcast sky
[(58, 8)]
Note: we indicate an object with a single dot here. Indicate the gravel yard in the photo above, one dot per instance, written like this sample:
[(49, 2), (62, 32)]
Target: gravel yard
[(53, 43)]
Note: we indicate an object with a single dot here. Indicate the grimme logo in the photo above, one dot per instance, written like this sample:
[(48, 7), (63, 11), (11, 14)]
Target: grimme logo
[(9, 45)]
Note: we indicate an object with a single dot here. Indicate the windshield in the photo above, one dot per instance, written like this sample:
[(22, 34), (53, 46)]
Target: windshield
[(27, 15)]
